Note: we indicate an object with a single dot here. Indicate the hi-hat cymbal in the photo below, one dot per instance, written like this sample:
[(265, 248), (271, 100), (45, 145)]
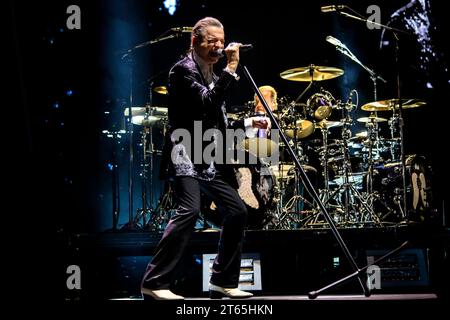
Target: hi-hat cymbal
[(361, 135), (311, 73), (235, 116), (390, 104), (371, 119), (302, 129), (161, 90), (140, 111), (148, 121), (260, 147), (328, 124)]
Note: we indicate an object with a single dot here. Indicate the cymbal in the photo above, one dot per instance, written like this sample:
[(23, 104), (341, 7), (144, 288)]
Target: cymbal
[(328, 124), (387, 105), (303, 129), (311, 73), (140, 111), (283, 170), (371, 119), (361, 135), (236, 115), (161, 90), (149, 121), (259, 147)]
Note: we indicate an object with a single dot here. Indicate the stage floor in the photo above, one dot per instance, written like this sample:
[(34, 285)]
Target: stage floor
[(291, 262)]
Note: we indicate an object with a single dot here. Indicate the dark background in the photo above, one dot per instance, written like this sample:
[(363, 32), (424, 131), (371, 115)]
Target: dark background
[(70, 85)]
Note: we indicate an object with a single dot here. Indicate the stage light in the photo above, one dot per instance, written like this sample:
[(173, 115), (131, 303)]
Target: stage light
[(171, 6)]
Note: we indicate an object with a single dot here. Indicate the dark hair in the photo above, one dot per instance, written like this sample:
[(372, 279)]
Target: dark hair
[(199, 29)]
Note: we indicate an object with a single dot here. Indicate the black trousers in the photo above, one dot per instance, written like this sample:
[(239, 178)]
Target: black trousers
[(226, 267)]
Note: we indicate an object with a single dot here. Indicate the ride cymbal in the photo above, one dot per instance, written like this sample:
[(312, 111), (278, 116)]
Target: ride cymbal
[(140, 111), (371, 119), (390, 104), (311, 73)]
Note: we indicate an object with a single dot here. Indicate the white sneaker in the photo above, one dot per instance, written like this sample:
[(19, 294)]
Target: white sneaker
[(216, 292), (163, 294)]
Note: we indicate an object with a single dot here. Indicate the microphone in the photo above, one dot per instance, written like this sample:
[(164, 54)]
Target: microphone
[(332, 8), (335, 42), (182, 29), (242, 48)]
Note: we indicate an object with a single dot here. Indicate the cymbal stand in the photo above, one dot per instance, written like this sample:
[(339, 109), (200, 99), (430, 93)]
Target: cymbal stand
[(128, 56), (358, 272), (115, 138), (372, 133), (393, 123), (142, 212), (324, 194), (349, 191)]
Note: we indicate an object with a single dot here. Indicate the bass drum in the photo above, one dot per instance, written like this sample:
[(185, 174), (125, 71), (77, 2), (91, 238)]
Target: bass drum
[(388, 182), (256, 186)]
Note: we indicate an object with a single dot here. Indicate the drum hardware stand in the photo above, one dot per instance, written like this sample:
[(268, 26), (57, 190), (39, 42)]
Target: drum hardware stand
[(324, 194), (146, 167), (130, 225), (393, 122), (372, 134), (287, 215), (358, 273), (396, 33), (115, 136), (347, 186), (311, 83), (128, 56), (165, 206)]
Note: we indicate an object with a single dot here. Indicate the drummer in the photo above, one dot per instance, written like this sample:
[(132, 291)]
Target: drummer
[(258, 125)]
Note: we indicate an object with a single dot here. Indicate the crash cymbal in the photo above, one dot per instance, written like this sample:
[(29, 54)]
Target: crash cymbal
[(140, 111), (328, 124), (260, 147), (302, 129), (390, 104), (161, 90), (371, 119), (311, 73)]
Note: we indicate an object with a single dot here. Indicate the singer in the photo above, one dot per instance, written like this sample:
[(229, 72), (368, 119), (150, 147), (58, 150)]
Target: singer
[(196, 93)]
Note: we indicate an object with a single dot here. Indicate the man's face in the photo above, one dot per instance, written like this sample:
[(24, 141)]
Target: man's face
[(268, 97), (213, 39)]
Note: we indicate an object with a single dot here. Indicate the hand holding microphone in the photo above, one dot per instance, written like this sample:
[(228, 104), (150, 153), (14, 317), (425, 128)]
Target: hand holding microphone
[(232, 53), (242, 48)]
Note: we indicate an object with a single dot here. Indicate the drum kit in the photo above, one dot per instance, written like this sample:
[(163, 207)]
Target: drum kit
[(357, 176), (353, 169)]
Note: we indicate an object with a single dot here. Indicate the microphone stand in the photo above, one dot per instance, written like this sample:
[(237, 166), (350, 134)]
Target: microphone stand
[(309, 187), (395, 32), (374, 76)]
